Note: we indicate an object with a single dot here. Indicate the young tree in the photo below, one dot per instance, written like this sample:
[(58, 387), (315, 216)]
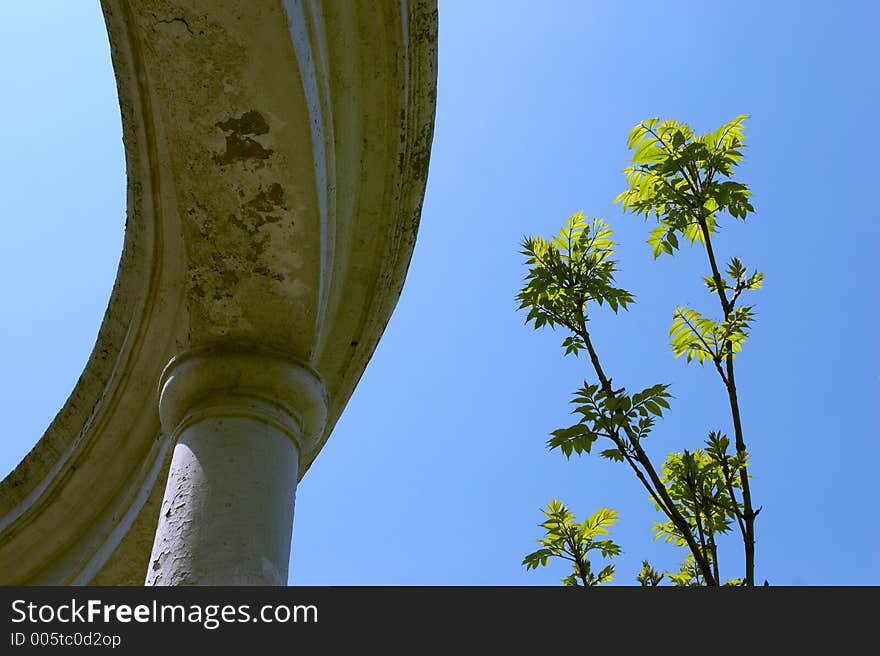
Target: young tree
[(684, 181)]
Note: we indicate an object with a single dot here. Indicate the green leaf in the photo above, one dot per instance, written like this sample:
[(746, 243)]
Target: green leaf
[(695, 336), (612, 454), (577, 439)]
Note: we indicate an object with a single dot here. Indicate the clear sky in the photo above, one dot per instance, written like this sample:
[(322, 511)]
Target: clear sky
[(437, 470)]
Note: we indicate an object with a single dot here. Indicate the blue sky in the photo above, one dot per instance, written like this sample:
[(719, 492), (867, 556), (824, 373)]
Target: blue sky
[(437, 470)]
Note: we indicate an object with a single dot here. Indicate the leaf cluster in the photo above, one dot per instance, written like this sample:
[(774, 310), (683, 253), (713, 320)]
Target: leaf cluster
[(696, 336), (566, 273), (703, 485), (648, 577), (616, 415), (689, 575), (678, 176), (569, 540), (696, 482)]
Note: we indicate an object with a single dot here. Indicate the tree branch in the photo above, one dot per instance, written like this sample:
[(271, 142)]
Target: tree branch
[(659, 490)]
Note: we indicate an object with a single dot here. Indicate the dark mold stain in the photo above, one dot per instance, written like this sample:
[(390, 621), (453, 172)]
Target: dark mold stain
[(241, 148), (239, 142), (229, 278), (258, 247), (268, 200), (254, 213), (248, 123), (268, 273)]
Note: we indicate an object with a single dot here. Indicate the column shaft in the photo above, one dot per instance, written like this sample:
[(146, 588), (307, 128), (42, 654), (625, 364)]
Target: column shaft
[(240, 421), (227, 514)]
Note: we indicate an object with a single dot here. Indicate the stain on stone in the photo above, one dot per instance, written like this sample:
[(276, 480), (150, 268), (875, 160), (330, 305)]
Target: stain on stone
[(240, 144), (416, 160), (229, 278), (248, 123), (268, 273), (241, 148), (224, 279), (258, 247), (267, 200), (254, 213)]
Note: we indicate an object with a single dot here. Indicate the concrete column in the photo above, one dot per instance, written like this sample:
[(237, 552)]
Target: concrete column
[(241, 423)]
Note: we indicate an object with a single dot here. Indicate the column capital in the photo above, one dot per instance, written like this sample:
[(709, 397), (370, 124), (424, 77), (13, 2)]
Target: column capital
[(218, 381)]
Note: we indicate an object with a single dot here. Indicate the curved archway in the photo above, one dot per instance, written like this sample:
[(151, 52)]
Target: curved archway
[(276, 158)]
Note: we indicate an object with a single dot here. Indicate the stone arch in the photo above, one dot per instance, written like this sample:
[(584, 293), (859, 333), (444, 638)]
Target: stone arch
[(277, 154)]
